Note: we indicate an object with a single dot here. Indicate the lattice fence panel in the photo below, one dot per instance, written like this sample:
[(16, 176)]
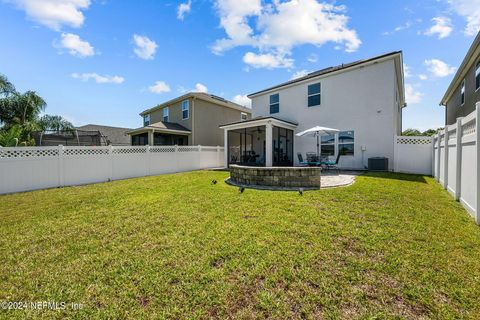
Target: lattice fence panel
[(129, 150), (469, 128), (28, 153), (187, 148), (85, 152), (414, 140), (162, 149)]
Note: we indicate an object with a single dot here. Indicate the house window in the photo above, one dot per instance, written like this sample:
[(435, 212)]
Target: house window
[(477, 76), (346, 143), (462, 93), (274, 103), (243, 116), (185, 109), (314, 92), (328, 145), (165, 114), (146, 120)]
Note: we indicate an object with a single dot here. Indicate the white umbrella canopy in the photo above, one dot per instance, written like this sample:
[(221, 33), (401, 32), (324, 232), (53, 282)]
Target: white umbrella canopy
[(318, 131)]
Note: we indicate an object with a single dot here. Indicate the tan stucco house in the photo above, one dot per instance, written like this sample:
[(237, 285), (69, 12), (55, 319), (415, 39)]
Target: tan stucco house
[(191, 119)]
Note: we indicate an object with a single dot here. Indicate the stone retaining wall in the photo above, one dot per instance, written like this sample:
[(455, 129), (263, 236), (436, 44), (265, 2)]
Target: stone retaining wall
[(284, 177)]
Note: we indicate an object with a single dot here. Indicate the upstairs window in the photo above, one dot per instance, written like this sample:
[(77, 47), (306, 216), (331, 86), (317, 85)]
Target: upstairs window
[(185, 109), (462, 93), (146, 120), (243, 116), (314, 92), (165, 114), (477, 76), (274, 103)]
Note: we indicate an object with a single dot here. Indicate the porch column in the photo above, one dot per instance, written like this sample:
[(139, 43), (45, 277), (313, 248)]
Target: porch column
[(268, 144), (225, 147), (150, 138)]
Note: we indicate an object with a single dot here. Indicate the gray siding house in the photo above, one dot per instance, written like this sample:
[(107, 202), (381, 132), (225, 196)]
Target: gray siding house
[(464, 90)]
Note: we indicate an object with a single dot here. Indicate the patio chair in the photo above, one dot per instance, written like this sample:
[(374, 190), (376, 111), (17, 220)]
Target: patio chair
[(312, 157), (300, 160), (331, 165)]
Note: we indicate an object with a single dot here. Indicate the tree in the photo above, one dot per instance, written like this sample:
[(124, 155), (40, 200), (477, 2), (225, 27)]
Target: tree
[(10, 137), (54, 123), (6, 87), (411, 132)]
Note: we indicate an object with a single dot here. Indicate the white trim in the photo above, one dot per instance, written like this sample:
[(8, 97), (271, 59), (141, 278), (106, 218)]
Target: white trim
[(260, 122), (160, 130)]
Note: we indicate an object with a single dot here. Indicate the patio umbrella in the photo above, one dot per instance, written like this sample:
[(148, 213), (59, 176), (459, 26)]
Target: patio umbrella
[(317, 131)]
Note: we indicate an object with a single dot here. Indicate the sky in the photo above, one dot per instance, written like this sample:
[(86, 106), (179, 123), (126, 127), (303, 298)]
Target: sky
[(105, 61)]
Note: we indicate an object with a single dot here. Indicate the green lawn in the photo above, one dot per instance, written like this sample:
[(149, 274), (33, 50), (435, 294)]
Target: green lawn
[(178, 246)]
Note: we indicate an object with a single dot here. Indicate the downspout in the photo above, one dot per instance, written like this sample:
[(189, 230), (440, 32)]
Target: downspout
[(193, 121)]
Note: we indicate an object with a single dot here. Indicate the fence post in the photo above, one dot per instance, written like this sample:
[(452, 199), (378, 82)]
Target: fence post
[(147, 169), (477, 139), (439, 140), (395, 153), (445, 158), (458, 167), (110, 156), (176, 158), (61, 174), (433, 156)]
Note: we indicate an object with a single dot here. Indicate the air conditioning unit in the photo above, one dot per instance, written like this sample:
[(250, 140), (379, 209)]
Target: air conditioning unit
[(378, 164)]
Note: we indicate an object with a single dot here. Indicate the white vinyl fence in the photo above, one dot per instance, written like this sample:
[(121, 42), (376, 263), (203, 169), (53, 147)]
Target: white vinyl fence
[(413, 155), (30, 168), (455, 161)]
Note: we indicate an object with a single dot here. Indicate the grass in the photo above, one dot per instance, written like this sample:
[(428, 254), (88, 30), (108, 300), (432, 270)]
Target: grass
[(178, 246)]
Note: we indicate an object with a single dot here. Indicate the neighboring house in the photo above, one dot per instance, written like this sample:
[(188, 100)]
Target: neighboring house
[(110, 135), (464, 90), (363, 100), (191, 119)]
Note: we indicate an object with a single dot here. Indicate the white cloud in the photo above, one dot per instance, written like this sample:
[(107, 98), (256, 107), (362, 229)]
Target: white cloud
[(159, 87), (98, 78), (200, 88), (470, 10), (442, 26), (411, 95), (399, 28), (76, 46), (406, 71), (183, 9), (439, 68), (144, 47), (312, 58), (55, 13), (423, 77), (267, 60), (299, 74), (242, 100), (277, 27)]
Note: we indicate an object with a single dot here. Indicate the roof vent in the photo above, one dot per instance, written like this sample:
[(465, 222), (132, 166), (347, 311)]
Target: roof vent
[(218, 98)]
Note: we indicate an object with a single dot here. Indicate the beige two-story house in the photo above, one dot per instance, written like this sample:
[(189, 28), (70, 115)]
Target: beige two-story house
[(191, 119)]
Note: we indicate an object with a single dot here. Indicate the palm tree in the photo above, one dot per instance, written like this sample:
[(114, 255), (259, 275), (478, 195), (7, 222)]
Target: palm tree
[(21, 109), (54, 123), (6, 87)]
